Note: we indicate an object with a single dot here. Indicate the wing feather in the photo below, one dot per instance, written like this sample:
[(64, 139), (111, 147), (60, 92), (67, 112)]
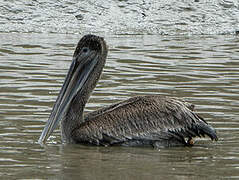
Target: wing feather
[(143, 120)]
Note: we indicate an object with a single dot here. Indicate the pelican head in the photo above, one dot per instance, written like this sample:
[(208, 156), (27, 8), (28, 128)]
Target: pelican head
[(88, 59)]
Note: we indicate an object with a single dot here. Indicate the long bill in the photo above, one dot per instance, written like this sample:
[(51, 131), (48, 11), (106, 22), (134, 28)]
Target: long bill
[(80, 69)]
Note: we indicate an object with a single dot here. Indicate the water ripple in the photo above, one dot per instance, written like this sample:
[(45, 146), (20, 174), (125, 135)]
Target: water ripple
[(203, 69)]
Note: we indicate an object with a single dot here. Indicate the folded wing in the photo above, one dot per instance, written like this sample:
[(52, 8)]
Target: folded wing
[(145, 120)]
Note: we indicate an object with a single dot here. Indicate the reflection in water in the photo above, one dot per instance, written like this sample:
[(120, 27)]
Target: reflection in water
[(202, 69)]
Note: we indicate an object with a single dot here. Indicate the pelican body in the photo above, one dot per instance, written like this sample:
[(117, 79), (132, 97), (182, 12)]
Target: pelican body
[(157, 121)]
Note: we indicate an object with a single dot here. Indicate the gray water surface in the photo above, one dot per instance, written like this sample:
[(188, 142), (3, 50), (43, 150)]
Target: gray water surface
[(203, 69)]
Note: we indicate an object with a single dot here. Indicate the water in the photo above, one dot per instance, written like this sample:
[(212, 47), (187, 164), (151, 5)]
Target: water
[(196, 61), (204, 69)]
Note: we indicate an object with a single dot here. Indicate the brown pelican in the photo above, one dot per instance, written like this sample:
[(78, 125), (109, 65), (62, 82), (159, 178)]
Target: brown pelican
[(156, 120)]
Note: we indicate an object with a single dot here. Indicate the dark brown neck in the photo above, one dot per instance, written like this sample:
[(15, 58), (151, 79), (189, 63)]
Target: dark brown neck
[(74, 116)]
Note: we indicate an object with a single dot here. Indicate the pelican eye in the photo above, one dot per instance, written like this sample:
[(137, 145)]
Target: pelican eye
[(85, 49)]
